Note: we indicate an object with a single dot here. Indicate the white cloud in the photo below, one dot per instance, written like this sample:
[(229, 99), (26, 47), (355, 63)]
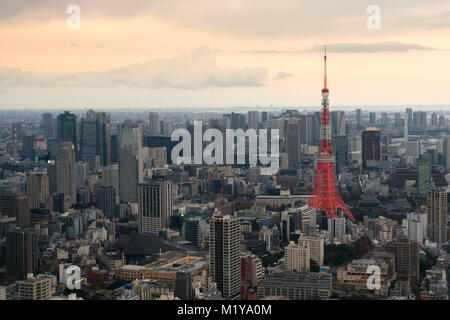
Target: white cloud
[(283, 75), (193, 71)]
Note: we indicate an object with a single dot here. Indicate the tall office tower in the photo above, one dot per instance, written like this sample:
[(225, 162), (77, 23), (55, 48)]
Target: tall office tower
[(237, 121), (22, 250), (16, 204), (372, 118), (446, 153), (434, 119), (48, 126), (406, 258), (264, 116), (398, 121), (406, 128), (183, 286), (297, 257), (358, 119), (28, 151), (67, 128), (37, 189), (293, 133), (155, 206), (16, 132), (131, 164), (371, 147), (420, 121), (159, 154), (317, 247), (337, 123), (224, 252), (409, 111), (325, 195), (154, 124), (437, 215), (107, 201), (66, 175), (114, 148), (336, 229), (423, 174), (95, 137), (253, 120), (340, 150), (52, 181)]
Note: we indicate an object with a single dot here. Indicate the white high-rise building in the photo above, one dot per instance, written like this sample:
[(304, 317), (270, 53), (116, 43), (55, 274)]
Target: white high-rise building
[(297, 257), (415, 225), (317, 247)]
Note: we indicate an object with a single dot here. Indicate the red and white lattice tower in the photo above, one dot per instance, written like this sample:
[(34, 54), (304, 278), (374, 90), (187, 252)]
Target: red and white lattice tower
[(325, 195)]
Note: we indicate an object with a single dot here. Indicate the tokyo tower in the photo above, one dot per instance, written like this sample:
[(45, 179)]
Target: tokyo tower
[(325, 194)]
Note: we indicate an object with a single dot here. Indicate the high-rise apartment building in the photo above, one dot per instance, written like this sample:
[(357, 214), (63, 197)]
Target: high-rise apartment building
[(66, 175), (224, 250), (336, 229), (297, 257), (155, 206), (437, 215), (406, 258), (316, 246)]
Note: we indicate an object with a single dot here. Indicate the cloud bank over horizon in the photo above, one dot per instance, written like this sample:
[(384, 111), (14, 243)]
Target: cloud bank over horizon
[(196, 70)]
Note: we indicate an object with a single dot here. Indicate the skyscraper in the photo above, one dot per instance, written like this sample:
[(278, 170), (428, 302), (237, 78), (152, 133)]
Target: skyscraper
[(371, 147), (437, 215), (154, 124), (37, 189), (48, 126), (337, 123), (66, 175), (22, 250), (130, 163), (340, 150), (293, 144), (67, 128), (423, 174), (155, 206), (224, 249), (372, 118), (446, 153), (16, 204), (253, 120), (107, 201), (358, 119)]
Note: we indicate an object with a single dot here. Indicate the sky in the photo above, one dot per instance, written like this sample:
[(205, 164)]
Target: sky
[(209, 53)]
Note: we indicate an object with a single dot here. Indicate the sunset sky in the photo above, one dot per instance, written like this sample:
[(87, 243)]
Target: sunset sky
[(208, 53)]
